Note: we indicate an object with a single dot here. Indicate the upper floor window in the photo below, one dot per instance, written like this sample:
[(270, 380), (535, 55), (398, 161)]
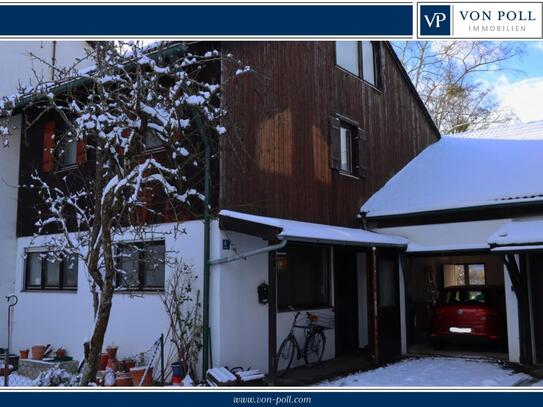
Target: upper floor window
[(141, 266), (348, 152), (361, 58), (61, 151), (44, 271)]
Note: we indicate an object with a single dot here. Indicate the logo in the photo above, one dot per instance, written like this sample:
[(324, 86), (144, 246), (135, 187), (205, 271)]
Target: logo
[(460, 311), (435, 20)]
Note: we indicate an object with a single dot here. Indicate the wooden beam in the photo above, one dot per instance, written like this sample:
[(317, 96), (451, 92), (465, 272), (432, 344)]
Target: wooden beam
[(272, 318)]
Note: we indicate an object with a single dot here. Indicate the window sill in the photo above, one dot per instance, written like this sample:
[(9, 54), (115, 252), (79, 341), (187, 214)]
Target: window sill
[(349, 175), (139, 292), (49, 290), (365, 82), (68, 168)]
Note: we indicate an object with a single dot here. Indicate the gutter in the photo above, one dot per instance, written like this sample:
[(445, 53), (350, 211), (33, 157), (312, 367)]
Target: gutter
[(251, 253)]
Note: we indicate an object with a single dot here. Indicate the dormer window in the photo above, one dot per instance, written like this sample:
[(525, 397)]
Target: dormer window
[(361, 58)]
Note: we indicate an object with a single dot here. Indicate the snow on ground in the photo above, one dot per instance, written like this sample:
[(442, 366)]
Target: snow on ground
[(433, 372), (17, 380)]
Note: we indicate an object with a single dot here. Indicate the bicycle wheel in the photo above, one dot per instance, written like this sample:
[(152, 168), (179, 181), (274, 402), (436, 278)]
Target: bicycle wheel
[(314, 347), (284, 357)]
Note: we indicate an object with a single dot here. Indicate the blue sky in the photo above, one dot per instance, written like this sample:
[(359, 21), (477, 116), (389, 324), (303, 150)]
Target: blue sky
[(520, 86)]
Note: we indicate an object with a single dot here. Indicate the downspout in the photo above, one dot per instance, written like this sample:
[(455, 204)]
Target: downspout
[(375, 287), (207, 222), (53, 60)]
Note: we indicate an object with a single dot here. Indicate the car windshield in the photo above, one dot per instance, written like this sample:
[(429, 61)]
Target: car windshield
[(464, 297)]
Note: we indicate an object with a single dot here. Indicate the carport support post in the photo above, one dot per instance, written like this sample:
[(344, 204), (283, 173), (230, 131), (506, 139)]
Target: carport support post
[(272, 317), (375, 305)]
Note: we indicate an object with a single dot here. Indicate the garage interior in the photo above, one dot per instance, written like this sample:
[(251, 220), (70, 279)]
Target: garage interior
[(426, 276)]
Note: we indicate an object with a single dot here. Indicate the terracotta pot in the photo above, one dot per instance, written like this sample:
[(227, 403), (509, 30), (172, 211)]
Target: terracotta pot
[(38, 352), (112, 364), (137, 374), (24, 353), (103, 361), (128, 364), (124, 379), (60, 353), (112, 352)]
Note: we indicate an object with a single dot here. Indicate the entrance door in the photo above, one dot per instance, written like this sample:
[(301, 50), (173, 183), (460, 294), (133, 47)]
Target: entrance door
[(346, 303), (536, 280), (388, 300)]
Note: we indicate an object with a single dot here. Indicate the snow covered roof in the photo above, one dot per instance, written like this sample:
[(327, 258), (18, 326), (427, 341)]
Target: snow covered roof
[(528, 231), (492, 167), (318, 233)]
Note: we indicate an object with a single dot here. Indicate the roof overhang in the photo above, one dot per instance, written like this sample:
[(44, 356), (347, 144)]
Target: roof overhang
[(284, 229), (518, 235)]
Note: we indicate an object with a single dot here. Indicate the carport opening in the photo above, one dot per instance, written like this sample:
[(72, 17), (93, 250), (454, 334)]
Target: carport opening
[(441, 291)]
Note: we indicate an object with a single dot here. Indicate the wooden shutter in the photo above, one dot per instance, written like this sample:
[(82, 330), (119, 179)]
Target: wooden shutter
[(362, 142), (81, 151), (48, 157), (335, 146)]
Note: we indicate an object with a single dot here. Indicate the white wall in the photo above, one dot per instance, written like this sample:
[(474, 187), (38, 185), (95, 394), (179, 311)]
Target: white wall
[(66, 319), (511, 304), (242, 339), (17, 66), (9, 178)]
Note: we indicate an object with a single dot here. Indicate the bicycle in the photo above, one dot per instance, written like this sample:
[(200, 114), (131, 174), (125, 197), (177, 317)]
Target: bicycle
[(315, 342)]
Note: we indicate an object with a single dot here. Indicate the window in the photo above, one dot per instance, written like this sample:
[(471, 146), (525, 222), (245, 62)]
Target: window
[(141, 265), (463, 274), (68, 154), (347, 56), (47, 272), (304, 280), (60, 150), (360, 59), (347, 147), (151, 140)]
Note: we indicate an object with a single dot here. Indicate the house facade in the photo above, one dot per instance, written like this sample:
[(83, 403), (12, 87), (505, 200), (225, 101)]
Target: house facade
[(19, 67), (474, 219), (312, 134)]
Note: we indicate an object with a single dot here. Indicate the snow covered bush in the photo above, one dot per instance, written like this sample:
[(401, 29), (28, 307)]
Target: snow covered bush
[(57, 377)]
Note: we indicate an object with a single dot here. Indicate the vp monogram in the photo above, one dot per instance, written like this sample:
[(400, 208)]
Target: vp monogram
[(436, 18)]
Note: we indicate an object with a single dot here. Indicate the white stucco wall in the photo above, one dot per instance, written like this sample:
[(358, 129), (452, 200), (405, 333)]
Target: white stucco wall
[(9, 178), (242, 337), (513, 330), (17, 66), (66, 318)]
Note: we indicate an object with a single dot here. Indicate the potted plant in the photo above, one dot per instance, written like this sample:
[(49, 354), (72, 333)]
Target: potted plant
[(24, 353), (60, 353), (38, 351)]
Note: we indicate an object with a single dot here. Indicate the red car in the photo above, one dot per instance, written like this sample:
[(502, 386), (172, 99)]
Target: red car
[(474, 312)]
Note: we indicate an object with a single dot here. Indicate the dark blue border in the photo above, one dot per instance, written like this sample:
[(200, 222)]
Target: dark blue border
[(201, 20), (318, 399)]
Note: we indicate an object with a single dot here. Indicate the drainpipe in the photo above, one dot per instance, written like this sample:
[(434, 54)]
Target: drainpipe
[(375, 287), (53, 60), (207, 221)]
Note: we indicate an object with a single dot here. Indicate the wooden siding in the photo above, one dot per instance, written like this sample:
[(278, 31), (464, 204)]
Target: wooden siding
[(275, 159)]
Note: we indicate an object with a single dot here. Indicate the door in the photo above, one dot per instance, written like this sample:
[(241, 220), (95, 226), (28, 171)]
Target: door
[(388, 311), (346, 303)]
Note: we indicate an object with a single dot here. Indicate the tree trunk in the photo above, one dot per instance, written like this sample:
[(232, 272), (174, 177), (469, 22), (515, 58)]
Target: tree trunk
[(97, 340)]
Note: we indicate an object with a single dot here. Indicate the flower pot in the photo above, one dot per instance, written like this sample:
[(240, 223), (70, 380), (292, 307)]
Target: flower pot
[(177, 381), (112, 352), (38, 352), (124, 379), (137, 375), (103, 361), (112, 364), (24, 353), (177, 369), (60, 353), (128, 364)]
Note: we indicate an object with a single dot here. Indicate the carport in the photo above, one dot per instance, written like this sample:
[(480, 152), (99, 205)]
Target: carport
[(426, 275)]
